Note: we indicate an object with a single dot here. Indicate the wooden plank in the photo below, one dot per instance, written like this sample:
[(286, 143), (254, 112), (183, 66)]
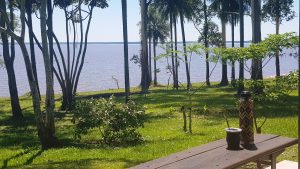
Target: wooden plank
[(225, 159), (193, 152)]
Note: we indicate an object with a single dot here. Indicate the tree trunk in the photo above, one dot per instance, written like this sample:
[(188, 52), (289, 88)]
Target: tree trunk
[(172, 54), (50, 30), (277, 52), (150, 60), (144, 54), (154, 61), (256, 38), (9, 64), (224, 81), (232, 45), (125, 38), (188, 79), (176, 55), (31, 43), (49, 133), (206, 44), (241, 69)]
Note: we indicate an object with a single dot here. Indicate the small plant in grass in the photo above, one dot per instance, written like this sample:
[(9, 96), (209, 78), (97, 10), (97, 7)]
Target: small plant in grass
[(117, 122)]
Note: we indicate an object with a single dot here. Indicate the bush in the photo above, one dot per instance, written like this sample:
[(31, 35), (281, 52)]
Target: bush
[(117, 122), (273, 90)]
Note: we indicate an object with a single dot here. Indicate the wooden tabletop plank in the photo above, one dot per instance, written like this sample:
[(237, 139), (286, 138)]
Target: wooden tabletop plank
[(193, 152), (222, 158)]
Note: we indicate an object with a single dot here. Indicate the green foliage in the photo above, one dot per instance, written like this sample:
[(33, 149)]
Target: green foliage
[(117, 122), (273, 90), (268, 47), (279, 10), (1, 62), (214, 36), (277, 42), (162, 131), (158, 28)]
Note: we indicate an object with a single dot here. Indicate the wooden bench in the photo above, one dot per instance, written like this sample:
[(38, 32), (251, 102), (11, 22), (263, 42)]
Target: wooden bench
[(214, 155)]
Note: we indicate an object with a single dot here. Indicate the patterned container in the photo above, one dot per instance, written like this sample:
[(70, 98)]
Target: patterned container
[(246, 119)]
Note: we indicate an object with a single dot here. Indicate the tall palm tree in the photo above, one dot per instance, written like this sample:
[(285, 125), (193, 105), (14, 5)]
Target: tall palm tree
[(222, 7), (159, 31), (241, 70), (186, 9), (233, 20), (125, 37), (144, 53), (167, 9), (256, 37), (177, 9)]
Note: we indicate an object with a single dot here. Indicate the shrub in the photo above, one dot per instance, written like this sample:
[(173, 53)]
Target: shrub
[(117, 122), (273, 90)]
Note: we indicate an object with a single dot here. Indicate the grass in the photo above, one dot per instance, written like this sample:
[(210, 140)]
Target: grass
[(20, 148)]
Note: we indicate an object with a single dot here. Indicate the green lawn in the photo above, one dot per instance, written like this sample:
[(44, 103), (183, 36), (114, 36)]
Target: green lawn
[(19, 146)]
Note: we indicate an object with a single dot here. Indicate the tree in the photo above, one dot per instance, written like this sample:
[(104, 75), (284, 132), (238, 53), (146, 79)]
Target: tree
[(233, 20), (44, 120), (241, 61), (68, 71), (201, 12), (167, 9), (125, 35), (222, 7), (145, 79), (160, 31), (186, 9), (256, 38), (277, 11), (9, 58), (213, 37), (31, 6), (48, 137)]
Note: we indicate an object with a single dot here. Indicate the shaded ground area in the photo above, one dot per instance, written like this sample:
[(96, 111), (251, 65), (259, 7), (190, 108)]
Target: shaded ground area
[(162, 132)]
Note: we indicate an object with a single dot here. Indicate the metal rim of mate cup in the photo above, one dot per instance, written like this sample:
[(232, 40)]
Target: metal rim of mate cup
[(233, 138), (246, 119)]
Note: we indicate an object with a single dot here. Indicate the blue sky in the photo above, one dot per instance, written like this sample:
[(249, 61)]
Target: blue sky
[(107, 24)]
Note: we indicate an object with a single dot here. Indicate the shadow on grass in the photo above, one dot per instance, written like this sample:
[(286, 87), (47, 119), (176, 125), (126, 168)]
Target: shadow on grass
[(28, 161), (84, 163)]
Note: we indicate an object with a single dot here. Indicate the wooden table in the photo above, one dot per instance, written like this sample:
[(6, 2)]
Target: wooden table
[(214, 155)]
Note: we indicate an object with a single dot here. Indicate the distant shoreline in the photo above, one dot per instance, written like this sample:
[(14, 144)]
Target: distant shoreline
[(133, 43)]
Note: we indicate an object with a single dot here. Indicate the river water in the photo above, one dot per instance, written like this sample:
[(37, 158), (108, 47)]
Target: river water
[(104, 61)]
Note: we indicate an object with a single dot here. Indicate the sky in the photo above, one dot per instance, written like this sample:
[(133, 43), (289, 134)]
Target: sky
[(106, 24)]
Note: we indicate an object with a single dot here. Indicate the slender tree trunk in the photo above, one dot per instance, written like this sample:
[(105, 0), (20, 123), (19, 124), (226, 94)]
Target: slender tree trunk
[(224, 81), (9, 64), (256, 38), (206, 43), (154, 61), (172, 54), (49, 138), (150, 60), (31, 44), (232, 45), (144, 54), (277, 52), (50, 30), (176, 55), (241, 69), (188, 79), (126, 63)]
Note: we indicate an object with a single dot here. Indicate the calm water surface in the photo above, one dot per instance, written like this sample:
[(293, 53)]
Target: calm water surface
[(104, 61)]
